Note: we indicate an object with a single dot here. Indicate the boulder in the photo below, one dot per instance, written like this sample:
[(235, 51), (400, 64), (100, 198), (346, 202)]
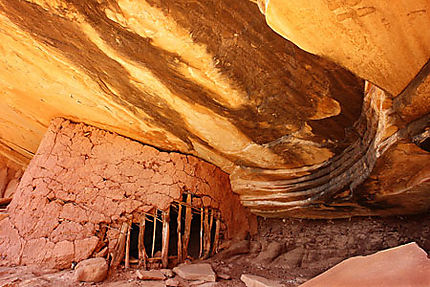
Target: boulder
[(240, 247), (91, 270), (201, 271), (405, 265), (290, 259), (258, 281), (270, 252)]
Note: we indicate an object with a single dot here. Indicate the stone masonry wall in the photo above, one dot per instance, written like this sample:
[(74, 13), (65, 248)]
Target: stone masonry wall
[(83, 178)]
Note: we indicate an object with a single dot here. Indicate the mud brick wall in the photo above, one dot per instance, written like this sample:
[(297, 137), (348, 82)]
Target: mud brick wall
[(83, 178)]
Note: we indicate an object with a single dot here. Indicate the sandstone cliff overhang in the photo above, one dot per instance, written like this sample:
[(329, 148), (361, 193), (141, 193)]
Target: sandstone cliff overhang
[(299, 134)]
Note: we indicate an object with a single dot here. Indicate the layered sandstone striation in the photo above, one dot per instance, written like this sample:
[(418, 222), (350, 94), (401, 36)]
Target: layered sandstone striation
[(384, 172), (84, 182), (208, 78)]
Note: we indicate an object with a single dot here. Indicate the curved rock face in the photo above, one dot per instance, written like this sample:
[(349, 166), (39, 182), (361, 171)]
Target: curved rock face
[(208, 78), (296, 132), (385, 42), (384, 171), (370, 177)]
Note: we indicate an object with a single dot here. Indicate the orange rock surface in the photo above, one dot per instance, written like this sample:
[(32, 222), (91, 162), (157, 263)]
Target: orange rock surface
[(406, 265)]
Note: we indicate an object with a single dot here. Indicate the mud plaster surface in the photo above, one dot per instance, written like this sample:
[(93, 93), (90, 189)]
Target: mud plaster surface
[(83, 179)]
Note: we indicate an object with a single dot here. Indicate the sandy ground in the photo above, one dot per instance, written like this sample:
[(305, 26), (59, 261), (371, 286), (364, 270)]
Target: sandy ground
[(325, 243)]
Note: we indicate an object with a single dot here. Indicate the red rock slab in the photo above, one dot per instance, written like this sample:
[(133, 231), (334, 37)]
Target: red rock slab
[(200, 271), (402, 266)]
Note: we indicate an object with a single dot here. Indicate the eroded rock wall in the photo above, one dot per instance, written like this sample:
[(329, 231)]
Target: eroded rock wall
[(83, 178), (10, 174)]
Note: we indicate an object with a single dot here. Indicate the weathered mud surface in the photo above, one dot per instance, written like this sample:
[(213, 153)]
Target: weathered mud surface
[(84, 182)]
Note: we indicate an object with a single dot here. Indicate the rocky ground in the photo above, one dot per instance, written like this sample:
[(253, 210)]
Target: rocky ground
[(291, 251)]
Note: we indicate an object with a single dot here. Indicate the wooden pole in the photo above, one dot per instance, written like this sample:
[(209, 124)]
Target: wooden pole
[(141, 243), (208, 229), (179, 233), (127, 248), (202, 220), (216, 240), (211, 223), (165, 240), (188, 219), (153, 234), (118, 253)]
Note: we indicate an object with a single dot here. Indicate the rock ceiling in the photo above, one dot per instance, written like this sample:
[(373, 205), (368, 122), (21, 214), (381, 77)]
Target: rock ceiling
[(298, 133)]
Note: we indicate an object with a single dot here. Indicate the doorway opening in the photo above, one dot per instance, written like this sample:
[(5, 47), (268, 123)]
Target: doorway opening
[(187, 230)]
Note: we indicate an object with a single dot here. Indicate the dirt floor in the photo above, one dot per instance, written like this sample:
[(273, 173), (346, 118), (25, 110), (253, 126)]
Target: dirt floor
[(325, 243), (318, 245)]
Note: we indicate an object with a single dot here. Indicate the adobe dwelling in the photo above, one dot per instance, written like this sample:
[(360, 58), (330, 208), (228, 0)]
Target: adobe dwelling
[(88, 193)]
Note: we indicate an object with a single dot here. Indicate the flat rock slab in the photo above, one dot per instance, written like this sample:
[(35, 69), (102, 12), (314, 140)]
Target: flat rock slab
[(208, 284), (127, 283), (405, 265), (172, 282), (91, 270), (258, 281), (150, 275), (201, 271), (224, 276)]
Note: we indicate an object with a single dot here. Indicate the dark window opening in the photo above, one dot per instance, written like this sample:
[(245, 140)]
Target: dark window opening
[(425, 144), (423, 140), (153, 243), (151, 235), (173, 228), (134, 242), (213, 233), (194, 244)]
